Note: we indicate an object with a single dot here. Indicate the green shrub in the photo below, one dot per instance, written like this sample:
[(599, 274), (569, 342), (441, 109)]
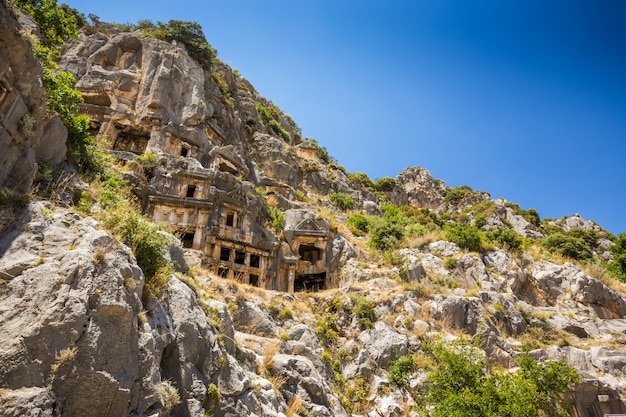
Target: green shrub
[(286, 313), (280, 131), (393, 258), (364, 310), (276, 218), (385, 234), (362, 179), (531, 216), (189, 34), (322, 152), (384, 184), (505, 238), (450, 263), (460, 385), (567, 244), (415, 230), (358, 224), (479, 220), (466, 236), (265, 114), (342, 201), (400, 370), (148, 242), (618, 265), (455, 195), (301, 196), (55, 23), (212, 392), (326, 328)]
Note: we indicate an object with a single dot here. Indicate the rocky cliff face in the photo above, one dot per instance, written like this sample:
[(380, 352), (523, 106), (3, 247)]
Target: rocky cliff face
[(27, 133), (81, 335)]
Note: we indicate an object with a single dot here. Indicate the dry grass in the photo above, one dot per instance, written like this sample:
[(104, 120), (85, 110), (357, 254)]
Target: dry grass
[(270, 351), (63, 357), (277, 383), (427, 239), (295, 406), (170, 395)]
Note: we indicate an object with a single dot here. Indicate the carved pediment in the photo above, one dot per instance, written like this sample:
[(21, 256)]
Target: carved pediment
[(308, 224)]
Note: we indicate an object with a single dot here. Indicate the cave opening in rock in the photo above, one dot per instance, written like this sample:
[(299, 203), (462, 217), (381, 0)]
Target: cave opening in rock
[(310, 282), (187, 240)]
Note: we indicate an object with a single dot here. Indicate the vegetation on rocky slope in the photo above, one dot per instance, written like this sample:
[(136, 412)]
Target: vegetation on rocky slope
[(439, 307)]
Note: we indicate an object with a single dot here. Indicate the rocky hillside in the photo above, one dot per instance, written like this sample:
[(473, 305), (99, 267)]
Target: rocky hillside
[(93, 323)]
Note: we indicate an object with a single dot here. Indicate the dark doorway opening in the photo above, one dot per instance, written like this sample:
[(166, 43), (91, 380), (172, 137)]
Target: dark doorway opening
[(230, 219), (310, 282), (309, 253), (225, 254), (184, 151), (255, 261), (222, 272), (240, 257), (254, 280), (191, 190), (187, 239)]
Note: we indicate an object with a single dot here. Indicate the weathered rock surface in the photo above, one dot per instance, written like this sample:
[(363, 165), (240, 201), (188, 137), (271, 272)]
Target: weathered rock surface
[(22, 105)]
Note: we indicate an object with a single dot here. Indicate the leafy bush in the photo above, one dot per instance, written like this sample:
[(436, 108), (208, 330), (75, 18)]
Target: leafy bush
[(505, 237), (342, 201), (280, 131), (364, 310), (400, 370), (455, 195), (301, 196), (618, 265), (55, 23), (189, 34), (460, 386), (466, 236), (531, 216), (567, 244), (148, 242), (275, 218), (384, 184), (322, 152), (450, 263), (358, 224), (385, 234), (362, 179)]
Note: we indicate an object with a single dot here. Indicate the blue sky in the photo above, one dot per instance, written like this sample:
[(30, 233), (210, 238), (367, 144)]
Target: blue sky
[(523, 99)]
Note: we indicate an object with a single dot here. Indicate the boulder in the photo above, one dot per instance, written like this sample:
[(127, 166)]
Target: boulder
[(383, 344)]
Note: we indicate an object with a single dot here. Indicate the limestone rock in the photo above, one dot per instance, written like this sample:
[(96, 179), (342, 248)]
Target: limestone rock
[(22, 104), (444, 248), (69, 316), (414, 268), (383, 343), (27, 402), (417, 187)]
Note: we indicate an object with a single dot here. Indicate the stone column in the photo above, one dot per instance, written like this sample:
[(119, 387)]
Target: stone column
[(291, 278)]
